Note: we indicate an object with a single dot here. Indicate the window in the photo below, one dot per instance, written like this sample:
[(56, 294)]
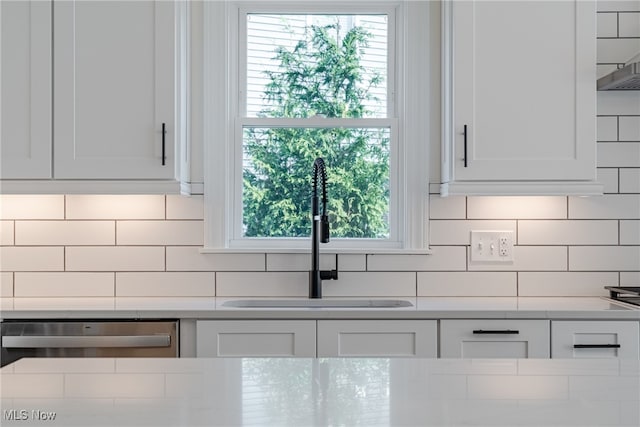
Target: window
[(287, 83)]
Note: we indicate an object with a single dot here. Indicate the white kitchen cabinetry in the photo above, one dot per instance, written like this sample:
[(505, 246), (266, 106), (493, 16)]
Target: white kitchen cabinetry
[(519, 98), (25, 85), (383, 338), (484, 338), (595, 339), (256, 338), (113, 89), (89, 96)]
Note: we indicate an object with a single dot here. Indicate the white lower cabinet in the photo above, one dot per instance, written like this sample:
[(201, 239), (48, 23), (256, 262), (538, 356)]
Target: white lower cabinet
[(482, 338), (595, 339), (335, 338), (377, 338), (256, 338)]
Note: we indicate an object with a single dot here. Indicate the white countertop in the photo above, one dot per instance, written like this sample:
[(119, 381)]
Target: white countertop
[(301, 392), (214, 308)]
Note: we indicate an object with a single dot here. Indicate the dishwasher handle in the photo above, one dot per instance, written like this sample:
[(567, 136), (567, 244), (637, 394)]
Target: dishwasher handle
[(71, 341)]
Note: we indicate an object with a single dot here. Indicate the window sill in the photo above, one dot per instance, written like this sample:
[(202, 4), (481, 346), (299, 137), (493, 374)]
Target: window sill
[(346, 251)]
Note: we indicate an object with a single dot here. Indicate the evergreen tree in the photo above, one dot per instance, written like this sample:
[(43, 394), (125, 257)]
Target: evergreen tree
[(321, 76)]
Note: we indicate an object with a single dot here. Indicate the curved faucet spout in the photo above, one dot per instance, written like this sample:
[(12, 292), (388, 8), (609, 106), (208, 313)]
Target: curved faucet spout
[(319, 231)]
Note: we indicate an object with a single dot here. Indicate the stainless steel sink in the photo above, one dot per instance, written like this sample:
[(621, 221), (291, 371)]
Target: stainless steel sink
[(318, 303)]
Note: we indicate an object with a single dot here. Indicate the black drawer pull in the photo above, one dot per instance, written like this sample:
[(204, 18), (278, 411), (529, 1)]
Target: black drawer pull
[(499, 331), (596, 346)]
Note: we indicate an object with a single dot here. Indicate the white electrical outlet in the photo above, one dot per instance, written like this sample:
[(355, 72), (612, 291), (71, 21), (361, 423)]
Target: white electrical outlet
[(491, 246)]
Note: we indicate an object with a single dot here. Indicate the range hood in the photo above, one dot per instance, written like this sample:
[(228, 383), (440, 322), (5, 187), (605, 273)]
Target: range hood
[(625, 78)]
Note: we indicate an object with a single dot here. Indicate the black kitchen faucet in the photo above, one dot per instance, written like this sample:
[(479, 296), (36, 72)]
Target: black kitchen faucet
[(319, 232)]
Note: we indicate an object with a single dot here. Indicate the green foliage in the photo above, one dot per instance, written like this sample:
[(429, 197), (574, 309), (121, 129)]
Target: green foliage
[(320, 76)]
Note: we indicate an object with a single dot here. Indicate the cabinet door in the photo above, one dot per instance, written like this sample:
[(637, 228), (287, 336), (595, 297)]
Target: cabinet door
[(25, 112), (256, 338), (521, 82), (113, 68), (494, 338), (595, 339), (383, 338)]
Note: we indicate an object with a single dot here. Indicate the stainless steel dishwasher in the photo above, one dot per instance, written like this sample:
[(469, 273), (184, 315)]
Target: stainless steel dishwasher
[(88, 339)]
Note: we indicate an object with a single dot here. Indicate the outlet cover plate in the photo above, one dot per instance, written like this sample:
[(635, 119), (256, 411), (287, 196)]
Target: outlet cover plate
[(489, 246)]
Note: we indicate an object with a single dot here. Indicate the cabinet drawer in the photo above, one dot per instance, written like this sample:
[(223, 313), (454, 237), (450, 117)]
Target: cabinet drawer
[(377, 338), (595, 339), (255, 338), (494, 338)]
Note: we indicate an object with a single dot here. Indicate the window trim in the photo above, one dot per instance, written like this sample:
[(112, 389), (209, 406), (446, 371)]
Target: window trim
[(410, 101)]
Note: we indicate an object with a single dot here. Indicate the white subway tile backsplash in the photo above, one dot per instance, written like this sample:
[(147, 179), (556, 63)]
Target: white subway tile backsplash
[(181, 207), (189, 258), (607, 128), (166, 284), (604, 258), (616, 50), (64, 284), (629, 24), (442, 258), (608, 177), (467, 283), (352, 262), (517, 207), (97, 206), (568, 232), (617, 5), (623, 154), (18, 206), (564, 283), (60, 233), (630, 278), (447, 207), (630, 232), (6, 284), (379, 284), (264, 284), (630, 180), (299, 262), (530, 258), (616, 103), (629, 128), (607, 25), (458, 232), (14, 258), (160, 233), (6, 233), (115, 258), (609, 206)]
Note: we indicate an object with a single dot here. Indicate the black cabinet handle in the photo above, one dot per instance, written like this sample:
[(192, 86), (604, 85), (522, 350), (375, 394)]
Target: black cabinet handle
[(499, 331), (164, 133), (596, 346), (465, 146)]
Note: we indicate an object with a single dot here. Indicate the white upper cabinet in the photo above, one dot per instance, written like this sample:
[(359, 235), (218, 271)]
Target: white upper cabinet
[(114, 89), (25, 86), (87, 89), (519, 97)]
